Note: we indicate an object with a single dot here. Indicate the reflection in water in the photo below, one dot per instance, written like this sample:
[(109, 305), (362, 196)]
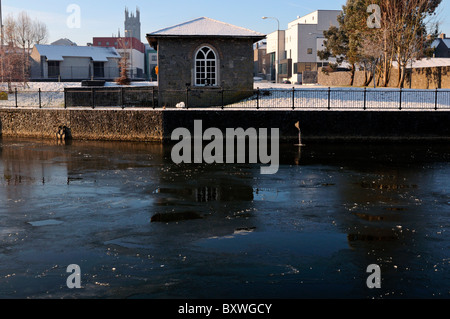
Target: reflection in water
[(140, 226)]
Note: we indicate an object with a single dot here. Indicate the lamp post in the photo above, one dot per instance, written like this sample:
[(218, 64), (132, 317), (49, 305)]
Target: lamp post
[(2, 38), (278, 48), (130, 36)]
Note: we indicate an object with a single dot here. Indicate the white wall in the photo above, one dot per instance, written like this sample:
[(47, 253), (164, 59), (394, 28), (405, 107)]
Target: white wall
[(276, 44), (75, 68), (307, 33), (136, 59)]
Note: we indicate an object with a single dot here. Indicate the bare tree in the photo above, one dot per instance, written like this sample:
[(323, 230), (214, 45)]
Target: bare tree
[(40, 32), (20, 34), (124, 65), (24, 36), (11, 56), (407, 25), (402, 37), (371, 54)]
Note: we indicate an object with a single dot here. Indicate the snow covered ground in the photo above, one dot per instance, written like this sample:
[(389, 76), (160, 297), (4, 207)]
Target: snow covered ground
[(319, 97), (270, 96), (52, 93)]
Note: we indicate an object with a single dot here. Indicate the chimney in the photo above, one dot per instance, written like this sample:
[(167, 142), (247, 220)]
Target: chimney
[(442, 36)]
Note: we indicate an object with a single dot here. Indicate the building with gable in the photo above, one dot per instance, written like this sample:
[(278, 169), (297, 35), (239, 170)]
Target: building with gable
[(131, 48), (211, 59), (441, 47), (296, 47), (68, 62)]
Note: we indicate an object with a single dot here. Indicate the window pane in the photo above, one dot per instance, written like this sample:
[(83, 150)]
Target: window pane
[(205, 67), (200, 55)]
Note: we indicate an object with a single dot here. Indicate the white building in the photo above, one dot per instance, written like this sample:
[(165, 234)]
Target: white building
[(300, 43), (131, 48), (74, 62), (276, 50)]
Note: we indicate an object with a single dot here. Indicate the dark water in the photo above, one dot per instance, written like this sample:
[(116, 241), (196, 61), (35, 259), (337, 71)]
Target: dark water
[(141, 227)]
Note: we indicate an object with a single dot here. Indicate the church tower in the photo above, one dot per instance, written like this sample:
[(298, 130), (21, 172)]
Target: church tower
[(133, 24)]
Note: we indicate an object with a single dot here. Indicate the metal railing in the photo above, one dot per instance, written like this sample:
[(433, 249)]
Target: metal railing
[(348, 99), (32, 98), (294, 99)]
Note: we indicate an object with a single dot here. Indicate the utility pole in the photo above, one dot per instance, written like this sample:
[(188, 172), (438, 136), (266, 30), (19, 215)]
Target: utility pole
[(130, 36), (277, 71), (2, 38), (1, 22)]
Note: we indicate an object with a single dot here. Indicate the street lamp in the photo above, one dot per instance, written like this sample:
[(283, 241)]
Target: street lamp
[(130, 36), (278, 47), (2, 37)]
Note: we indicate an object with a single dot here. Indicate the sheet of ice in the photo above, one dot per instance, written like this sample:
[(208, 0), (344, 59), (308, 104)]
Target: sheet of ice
[(48, 222)]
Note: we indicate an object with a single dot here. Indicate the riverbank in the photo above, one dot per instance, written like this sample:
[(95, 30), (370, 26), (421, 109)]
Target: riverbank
[(150, 125)]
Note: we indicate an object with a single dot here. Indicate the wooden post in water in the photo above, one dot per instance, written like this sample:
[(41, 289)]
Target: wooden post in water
[(297, 125)]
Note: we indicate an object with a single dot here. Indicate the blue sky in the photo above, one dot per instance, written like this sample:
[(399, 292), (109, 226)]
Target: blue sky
[(104, 18)]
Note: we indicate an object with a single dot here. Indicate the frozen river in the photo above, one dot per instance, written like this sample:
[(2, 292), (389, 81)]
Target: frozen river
[(139, 226)]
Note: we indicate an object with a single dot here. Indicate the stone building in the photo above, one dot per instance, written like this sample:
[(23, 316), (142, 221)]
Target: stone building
[(204, 62)]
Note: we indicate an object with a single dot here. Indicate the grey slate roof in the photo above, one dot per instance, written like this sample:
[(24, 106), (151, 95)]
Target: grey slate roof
[(58, 52)]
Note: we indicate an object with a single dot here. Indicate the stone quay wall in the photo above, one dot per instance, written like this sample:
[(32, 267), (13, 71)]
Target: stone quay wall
[(83, 124), (157, 125)]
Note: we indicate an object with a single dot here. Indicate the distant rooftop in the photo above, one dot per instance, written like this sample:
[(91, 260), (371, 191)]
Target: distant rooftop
[(205, 27), (427, 63), (64, 41), (438, 41), (59, 52)]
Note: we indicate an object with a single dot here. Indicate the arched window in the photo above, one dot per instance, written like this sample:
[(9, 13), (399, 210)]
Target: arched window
[(205, 67)]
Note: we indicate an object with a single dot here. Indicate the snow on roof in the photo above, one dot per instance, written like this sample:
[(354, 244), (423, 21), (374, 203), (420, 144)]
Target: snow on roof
[(205, 27), (438, 41), (64, 41), (446, 42), (427, 63), (58, 52)]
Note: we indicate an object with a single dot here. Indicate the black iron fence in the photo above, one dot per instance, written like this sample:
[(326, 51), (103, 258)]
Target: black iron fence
[(294, 98)]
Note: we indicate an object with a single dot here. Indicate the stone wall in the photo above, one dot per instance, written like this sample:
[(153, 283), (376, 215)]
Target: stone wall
[(84, 124), (322, 125), (309, 77), (158, 125), (424, 78)]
